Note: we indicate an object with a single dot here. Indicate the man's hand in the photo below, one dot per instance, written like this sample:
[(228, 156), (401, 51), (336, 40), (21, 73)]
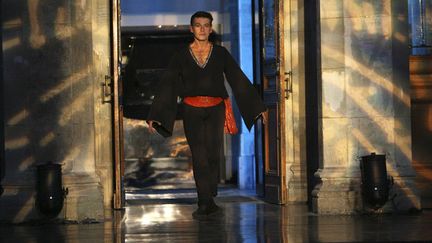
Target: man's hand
[(151, 128)]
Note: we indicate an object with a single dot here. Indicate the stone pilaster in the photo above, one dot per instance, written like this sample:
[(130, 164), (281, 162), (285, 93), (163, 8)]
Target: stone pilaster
[(338, 192), (49, 108), (84, 199), (365, 102)]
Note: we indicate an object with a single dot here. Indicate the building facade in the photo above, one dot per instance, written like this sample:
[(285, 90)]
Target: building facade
[(349, 95)]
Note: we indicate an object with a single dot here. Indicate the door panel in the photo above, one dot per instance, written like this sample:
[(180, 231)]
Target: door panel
[(257, 55), (421, 120), (275, 186), (117, 107)]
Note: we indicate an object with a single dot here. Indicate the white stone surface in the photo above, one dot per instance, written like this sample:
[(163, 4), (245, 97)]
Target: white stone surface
[(333, 93)]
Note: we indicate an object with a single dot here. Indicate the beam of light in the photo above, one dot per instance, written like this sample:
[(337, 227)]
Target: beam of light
[(19, 117), (64, 32), (25, 210), (373, 77), (48, 138), (26, 163), (362, 139), (78, 105), (359, 13), (371, 25), (37, 39), (10, 43), (62, 86), (359, 99), (83, 4), (17, 143), (12, 24), (62, 29), (400, 37), (336, 147)]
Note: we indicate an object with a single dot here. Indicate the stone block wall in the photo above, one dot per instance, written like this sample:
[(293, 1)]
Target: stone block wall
[(365, 104), (55, 55)]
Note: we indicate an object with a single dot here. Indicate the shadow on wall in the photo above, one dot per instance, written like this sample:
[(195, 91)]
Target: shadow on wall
[(2, 160), (371, 86), (49, 102)]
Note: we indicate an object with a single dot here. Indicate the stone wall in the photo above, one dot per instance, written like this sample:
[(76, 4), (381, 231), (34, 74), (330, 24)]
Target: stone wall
[(294, 59), (365, 101), (55, 56), (2, 161)]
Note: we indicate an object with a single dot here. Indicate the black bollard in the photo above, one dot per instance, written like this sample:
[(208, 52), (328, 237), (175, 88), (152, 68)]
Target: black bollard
[(375, 184), (49, 191)]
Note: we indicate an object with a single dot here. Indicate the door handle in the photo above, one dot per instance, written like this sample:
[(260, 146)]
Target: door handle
[(288, 84), (106, 89)]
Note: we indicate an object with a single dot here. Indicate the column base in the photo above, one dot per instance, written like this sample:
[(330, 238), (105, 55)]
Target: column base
[(336, 196), (297, 185), (339, 194), (84, 201), (85, 197)]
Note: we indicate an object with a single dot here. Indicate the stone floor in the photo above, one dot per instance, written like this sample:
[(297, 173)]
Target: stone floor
[(246, 219)]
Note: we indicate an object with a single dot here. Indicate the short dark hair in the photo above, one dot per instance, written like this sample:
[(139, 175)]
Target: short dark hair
[(201, 14)]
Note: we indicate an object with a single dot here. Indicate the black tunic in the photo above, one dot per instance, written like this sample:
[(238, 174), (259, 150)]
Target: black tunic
[(185, 78)]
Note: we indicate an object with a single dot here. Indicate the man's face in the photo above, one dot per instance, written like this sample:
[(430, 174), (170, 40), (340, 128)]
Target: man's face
[(201, 28)]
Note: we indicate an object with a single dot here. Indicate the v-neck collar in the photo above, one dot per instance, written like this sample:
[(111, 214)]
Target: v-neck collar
[(196, 60)]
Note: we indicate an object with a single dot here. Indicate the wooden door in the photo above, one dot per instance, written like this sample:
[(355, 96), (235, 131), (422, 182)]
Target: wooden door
[(257, 56), (274, 98), (421, 124), (116, 104)]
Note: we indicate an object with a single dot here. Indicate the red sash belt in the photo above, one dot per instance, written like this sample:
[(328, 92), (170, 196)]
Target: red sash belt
[(230, 126)]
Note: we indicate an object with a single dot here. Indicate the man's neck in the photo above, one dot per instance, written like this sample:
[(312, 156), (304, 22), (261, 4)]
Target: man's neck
[(201, 44)]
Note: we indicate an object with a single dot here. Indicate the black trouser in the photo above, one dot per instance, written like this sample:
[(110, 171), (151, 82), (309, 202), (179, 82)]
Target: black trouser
[(204, 130)]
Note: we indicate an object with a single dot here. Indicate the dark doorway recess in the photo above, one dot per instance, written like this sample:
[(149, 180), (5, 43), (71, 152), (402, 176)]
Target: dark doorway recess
[(148, 51), (313, 82), (2, 158)]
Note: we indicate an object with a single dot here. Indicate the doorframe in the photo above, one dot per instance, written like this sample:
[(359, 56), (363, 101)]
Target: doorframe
[(271, 61), (117, 109), (293, 71), (257, 45), (312, 40), (284, 96), (118, 153)]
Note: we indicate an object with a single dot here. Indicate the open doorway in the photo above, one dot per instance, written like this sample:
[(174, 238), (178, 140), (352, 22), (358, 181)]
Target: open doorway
[(162, 168)]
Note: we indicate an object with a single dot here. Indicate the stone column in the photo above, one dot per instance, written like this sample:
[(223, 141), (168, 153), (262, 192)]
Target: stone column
[(365, 102), (102, 112), (49, 105)]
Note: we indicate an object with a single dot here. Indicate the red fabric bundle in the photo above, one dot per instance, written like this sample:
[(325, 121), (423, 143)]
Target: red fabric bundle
[(230, 123)]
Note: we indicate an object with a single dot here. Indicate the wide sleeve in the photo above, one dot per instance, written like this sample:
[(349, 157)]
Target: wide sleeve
[(164, 107), (246, 96)]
